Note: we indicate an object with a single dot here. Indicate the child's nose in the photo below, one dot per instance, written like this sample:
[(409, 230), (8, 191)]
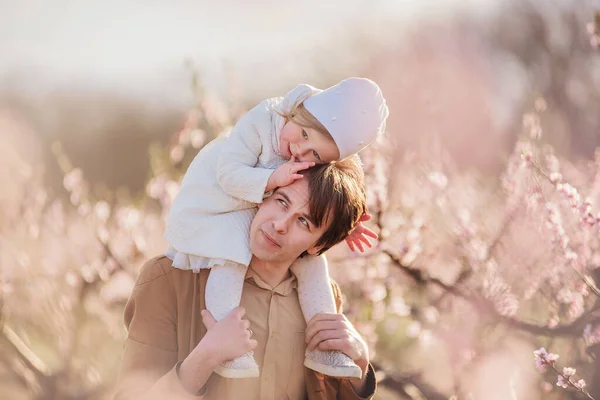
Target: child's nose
[(304, 152)]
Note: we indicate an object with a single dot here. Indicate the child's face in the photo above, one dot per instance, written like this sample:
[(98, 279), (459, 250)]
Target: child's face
[(306, 144)]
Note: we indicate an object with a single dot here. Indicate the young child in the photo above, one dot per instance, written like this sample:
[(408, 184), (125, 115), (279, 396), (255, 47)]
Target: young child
[(209, 222)]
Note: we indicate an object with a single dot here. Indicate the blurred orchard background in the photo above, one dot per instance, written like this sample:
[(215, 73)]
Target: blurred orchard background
[(485, 190)]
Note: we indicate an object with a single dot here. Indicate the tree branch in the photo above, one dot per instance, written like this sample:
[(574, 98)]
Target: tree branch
[(398, 382), (25, 354), (484, 305)]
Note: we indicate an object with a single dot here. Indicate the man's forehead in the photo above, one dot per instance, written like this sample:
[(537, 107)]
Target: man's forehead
[(296, 193)]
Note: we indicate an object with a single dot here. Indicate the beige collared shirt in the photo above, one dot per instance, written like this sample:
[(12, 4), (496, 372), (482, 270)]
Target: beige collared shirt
[(164, 325), (281, 344)]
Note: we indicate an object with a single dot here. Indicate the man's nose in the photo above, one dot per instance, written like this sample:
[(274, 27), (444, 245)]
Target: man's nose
[(281, 224)]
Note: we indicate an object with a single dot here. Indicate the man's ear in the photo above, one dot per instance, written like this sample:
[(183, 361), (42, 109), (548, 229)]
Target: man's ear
[(314, 250)]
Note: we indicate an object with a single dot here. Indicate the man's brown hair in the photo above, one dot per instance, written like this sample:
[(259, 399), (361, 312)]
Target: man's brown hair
[(336, 193)]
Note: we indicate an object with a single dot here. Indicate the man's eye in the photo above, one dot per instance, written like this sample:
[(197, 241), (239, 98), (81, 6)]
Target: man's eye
[(303, 221), (316, 155), (282, 202), (304, 134)]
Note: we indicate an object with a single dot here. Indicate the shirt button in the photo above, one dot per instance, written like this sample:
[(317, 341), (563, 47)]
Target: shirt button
[(268, 377)]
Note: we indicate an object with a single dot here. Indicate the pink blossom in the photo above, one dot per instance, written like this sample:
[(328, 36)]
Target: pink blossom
[(177, 154), (413, 329), (426, 338), (580, 384), (551, 358), (499, 292), (155, 187), (398, 306), (102, 210), (577, 307), (375, 292), (540, 357), (561, 382), (430, 314), (540, 104), (564, 296), (73, 179), (72, 279), (553, 321), (543, 359), (198, 138), (438, 180), (555, 177), (546, 387), (527, 157), (552, 163), (184, 137), (591, 334)]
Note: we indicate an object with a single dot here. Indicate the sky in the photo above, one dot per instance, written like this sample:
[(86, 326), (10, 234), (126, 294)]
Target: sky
[(141, 45)]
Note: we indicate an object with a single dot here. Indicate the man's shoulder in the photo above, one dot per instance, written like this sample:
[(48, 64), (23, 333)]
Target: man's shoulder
[(158, 268), (155, 268)]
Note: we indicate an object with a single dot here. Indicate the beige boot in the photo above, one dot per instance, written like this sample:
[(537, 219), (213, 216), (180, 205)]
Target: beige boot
[(332, 363), (242, 367)]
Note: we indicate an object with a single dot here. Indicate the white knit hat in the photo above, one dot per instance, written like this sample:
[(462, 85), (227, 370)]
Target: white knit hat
[(353, 111)]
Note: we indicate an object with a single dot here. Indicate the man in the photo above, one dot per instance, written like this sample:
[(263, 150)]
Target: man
[(174, 344)]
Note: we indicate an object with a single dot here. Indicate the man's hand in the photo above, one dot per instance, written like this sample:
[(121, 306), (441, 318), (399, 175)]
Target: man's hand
[(230, 337), (287, 173), (328, 331), (359, 235)]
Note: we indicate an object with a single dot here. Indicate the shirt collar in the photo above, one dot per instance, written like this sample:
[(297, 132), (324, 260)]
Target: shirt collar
[(284, 288)]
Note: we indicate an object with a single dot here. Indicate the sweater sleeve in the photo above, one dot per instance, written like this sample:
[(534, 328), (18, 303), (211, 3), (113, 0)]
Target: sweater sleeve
[(346, 391), (237, 172), (149, 360)]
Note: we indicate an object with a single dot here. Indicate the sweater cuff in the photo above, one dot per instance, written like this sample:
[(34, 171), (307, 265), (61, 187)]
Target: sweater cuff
[(347, 390), (257, 194), (171, 384)]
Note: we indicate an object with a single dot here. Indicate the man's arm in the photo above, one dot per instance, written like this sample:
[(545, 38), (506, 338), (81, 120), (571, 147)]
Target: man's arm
[(328, 331), (149, 357), (149, 365), (349, 342)]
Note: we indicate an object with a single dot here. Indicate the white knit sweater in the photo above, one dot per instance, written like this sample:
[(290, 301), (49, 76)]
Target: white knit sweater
[(211, 215)]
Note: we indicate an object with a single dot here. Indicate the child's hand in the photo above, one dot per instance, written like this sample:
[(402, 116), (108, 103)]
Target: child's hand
[(287, 173), (228, 338), (359, 235)]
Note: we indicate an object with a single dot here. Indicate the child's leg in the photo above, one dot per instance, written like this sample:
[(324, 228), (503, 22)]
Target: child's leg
[(314, 287), (316, 295), (224, 288), (223, 293)]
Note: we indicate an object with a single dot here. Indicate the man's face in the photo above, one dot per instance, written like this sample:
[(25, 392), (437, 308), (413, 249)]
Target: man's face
[(282, 228)]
